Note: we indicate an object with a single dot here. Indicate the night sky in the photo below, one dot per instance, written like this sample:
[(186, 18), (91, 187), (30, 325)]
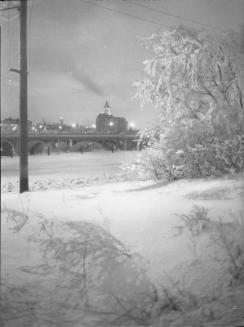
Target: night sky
[(80, 54)]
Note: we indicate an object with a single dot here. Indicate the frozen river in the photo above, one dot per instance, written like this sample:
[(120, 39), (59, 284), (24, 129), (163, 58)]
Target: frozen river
[(84, 165)]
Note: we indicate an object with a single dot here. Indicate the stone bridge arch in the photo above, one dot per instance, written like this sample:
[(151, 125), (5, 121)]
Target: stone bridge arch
[(61, 146), (111, 144), (87, 146), (7, 148), (42, 146), (35, 147)]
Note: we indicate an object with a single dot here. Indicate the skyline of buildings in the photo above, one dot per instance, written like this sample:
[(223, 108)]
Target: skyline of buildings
[(105, 122)]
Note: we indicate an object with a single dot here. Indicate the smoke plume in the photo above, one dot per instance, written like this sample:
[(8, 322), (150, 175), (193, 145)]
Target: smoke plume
[(83, 78)]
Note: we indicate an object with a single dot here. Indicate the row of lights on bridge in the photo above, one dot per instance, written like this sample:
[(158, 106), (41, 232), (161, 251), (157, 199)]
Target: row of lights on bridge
[(73, 125)]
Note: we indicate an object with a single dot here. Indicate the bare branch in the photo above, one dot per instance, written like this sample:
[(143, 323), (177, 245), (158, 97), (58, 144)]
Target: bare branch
[(208, 92), (240, 94)]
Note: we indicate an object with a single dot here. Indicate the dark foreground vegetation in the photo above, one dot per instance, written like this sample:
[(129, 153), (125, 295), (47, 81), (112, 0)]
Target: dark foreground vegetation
[(87, 277)]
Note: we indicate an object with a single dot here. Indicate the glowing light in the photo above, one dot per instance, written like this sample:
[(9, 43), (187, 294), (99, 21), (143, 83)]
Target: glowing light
[(111, 123), (73, 125), (132, 125), (60, 127), (93, 126), (40, 126)]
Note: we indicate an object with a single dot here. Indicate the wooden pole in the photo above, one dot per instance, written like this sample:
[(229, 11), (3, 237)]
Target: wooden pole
[(1, 159), (24, 184)]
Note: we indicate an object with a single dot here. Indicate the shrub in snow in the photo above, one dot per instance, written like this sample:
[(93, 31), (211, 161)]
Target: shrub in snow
[(225, 238), (84, 274), (213, 157), (87, 276)]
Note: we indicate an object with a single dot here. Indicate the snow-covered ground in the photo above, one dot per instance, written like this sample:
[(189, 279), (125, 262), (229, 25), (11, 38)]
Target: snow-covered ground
[(68, 164), (141, 214), (64, 169)]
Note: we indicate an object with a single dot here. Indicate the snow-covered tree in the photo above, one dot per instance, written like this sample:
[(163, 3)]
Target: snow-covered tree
[(195, 76), (196, 80)]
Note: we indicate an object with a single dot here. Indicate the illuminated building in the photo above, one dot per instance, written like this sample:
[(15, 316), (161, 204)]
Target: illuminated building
[(106, 123)]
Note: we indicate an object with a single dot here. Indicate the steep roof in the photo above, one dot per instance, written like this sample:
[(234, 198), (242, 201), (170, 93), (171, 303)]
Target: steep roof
[(106, 104)]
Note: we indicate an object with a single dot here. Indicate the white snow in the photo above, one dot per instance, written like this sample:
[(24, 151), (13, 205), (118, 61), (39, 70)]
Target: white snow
[(68, 164), (141, 214), (65, 169)]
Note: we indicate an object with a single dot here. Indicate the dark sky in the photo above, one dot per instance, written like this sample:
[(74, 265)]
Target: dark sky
[(80, 54)]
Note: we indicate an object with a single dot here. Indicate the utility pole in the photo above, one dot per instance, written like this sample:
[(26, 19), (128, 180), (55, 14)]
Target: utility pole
[(0, 75), (23, 163), (24, 183), (1, 162)]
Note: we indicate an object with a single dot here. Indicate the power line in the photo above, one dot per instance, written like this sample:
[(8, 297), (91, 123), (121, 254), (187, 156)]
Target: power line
[(177, 16), (125, 14)]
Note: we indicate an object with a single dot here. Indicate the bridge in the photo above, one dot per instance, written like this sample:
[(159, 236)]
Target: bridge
[(48, 142)]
